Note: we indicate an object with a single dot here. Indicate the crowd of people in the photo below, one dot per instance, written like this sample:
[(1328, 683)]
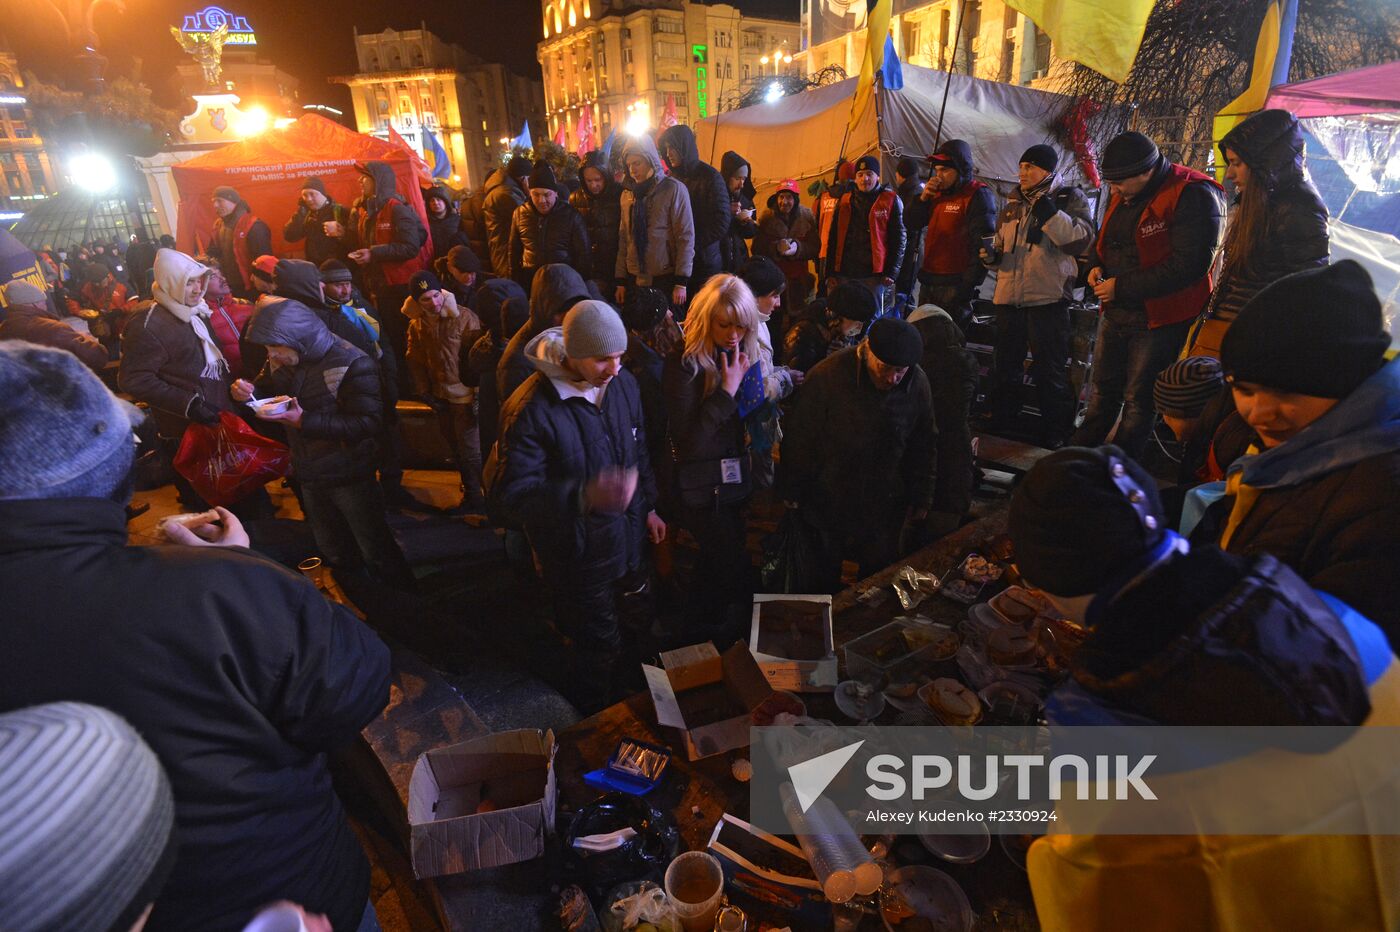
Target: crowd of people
[(637, 351)]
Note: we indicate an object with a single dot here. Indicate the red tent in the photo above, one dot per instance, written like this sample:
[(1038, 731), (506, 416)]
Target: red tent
[(269, 170), (1366, 90)]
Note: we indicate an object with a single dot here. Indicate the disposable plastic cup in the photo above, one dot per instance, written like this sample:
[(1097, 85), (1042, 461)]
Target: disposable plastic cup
[(695, 887), (277, 919)]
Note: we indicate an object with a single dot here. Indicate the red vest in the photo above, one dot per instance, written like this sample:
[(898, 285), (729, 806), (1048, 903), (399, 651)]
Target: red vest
[(879, 216), (396, 273), (1154, 245), (946, 248), (240, 246), (826, 210)]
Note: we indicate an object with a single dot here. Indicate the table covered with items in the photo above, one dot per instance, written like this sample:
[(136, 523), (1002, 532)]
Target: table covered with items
[(648, 800)]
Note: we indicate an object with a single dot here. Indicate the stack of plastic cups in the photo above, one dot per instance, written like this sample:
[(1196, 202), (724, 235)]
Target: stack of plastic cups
[(842, 865)]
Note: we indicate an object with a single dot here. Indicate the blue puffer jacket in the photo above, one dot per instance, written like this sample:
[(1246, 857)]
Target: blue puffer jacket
[(553, 440)]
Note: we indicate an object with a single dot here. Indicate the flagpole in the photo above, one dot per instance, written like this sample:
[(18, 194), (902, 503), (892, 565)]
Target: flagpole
[(948, 74)]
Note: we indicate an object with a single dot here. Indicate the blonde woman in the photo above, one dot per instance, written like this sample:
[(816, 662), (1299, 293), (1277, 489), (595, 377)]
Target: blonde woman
[(702, 387)]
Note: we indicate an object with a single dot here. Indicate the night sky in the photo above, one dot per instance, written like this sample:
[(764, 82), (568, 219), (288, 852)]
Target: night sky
[(311, 39)]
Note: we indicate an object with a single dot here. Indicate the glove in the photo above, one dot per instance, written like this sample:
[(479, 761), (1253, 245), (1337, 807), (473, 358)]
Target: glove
[(1044, 208), (203, 412)]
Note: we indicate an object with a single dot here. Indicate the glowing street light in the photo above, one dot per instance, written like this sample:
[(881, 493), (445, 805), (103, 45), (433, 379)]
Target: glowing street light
[(774, 92), (93, 172), (252, 121)]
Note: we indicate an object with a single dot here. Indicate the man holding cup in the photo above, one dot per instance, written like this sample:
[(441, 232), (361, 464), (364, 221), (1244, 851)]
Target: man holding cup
[(320, 221), (958, 212)]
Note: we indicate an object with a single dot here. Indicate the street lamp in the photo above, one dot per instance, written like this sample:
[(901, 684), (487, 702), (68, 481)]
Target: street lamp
[(92, 172)]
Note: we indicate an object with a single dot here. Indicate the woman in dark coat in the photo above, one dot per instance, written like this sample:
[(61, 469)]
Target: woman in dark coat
[(1279, 223), (738, 177), (713, 483)]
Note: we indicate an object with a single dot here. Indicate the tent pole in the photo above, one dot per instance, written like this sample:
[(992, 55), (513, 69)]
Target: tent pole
[(948, 74)]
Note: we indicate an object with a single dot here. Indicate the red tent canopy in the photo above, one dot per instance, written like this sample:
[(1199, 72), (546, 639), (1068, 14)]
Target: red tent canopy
[(269, 170), (1366, 90)]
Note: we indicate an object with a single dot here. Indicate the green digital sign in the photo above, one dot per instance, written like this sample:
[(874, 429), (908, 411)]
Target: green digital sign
[(699, 55)]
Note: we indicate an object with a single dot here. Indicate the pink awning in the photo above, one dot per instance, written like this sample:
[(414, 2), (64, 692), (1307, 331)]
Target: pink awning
[(1366, 90)]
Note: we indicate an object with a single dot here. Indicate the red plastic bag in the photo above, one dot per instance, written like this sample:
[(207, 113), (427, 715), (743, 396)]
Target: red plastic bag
[(226, 462)]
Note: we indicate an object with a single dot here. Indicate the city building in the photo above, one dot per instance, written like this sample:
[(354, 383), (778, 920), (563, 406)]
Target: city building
[(255, 80), (626, 60), (412, 81), (26, 171), (995, 42)]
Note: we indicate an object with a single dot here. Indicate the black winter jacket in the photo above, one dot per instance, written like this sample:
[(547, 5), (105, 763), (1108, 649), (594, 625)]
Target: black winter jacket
[(1295, 235), (503, 196), (447, 229), (952, 376), (734, 250), (853, 453), (550, 447), (473, 211), (704, 428), (602, 216), (554, 290), (338, 388), (856, 260), (409, 232), (501, 303), (237, 673), (538, 239), (709, 198), (161, 364), (309, 225)]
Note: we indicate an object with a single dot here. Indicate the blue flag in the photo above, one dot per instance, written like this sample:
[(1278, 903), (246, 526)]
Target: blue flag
[(891, 74), (607, 146), (750, 394), (442, 164), (523, 141)]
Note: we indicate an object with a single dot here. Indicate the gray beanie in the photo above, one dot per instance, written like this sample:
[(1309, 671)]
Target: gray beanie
[(22, 292), (63, 434), (86, 820), (593, 328)]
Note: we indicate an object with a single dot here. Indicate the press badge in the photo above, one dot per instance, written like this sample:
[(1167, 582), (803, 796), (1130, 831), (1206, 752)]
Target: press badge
[(729, 471)]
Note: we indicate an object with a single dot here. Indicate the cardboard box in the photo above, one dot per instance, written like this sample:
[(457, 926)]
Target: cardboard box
[(513, 771), (708, 696), (790, 638), (767, 877)]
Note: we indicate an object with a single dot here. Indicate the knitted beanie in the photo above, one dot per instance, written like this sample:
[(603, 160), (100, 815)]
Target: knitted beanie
[(314, 184), (463, 259), (1185, 387), (763, 276), (21, 292), (644, 307), (593, 328), (542, 176), (227, 193), (63, 434), (1081, 516), (853, 301), (907, 168), (1042, 155), (1318, 332), (895, 342), (86, 819), (333, 270), (1128, 154), (422, 283), (868, 163), (265, 268)]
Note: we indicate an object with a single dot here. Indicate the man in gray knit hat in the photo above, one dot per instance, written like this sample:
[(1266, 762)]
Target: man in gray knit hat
[(239, 675), (580, 414), (86, 821)]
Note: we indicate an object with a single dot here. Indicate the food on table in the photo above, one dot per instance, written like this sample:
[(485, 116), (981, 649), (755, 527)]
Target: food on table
[(1021, 606), (779, 703), (1009, 704), (192, 520), (942, 640), (902, 690), (960, 590), (858, 700), (1011, 647), (952, 702), (978, 569)]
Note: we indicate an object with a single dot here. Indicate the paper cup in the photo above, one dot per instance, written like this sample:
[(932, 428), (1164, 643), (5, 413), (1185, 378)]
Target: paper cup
[(277, 919)]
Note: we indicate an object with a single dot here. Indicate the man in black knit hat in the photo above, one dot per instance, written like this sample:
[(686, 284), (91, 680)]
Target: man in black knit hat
[(860, 451), (1150, 268)]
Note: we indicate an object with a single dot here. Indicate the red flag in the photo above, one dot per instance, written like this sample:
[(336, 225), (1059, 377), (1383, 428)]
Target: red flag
[(669, 118), (585, 132), (420, 167), (561, 138)]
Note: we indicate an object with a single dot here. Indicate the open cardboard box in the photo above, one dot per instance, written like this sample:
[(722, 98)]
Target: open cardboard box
[(708, 696), (509, 774), (791, 640)]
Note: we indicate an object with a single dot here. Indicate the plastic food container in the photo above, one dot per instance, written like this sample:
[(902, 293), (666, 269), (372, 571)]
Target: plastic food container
[(1019, 607), (267, 406), (899, 652), (1007, 703), (960, 849), (928, 893)]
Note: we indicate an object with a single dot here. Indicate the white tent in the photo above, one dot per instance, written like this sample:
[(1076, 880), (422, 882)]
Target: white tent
[(800, 136)]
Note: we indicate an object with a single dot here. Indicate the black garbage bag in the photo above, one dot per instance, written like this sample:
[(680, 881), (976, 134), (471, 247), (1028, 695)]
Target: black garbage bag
[(788, 556), (643, 856)]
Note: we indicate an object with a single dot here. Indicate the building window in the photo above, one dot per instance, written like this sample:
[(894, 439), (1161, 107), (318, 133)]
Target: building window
[(753, 40), (744, 70), (671, 26), (627, 56), (723, 40)]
